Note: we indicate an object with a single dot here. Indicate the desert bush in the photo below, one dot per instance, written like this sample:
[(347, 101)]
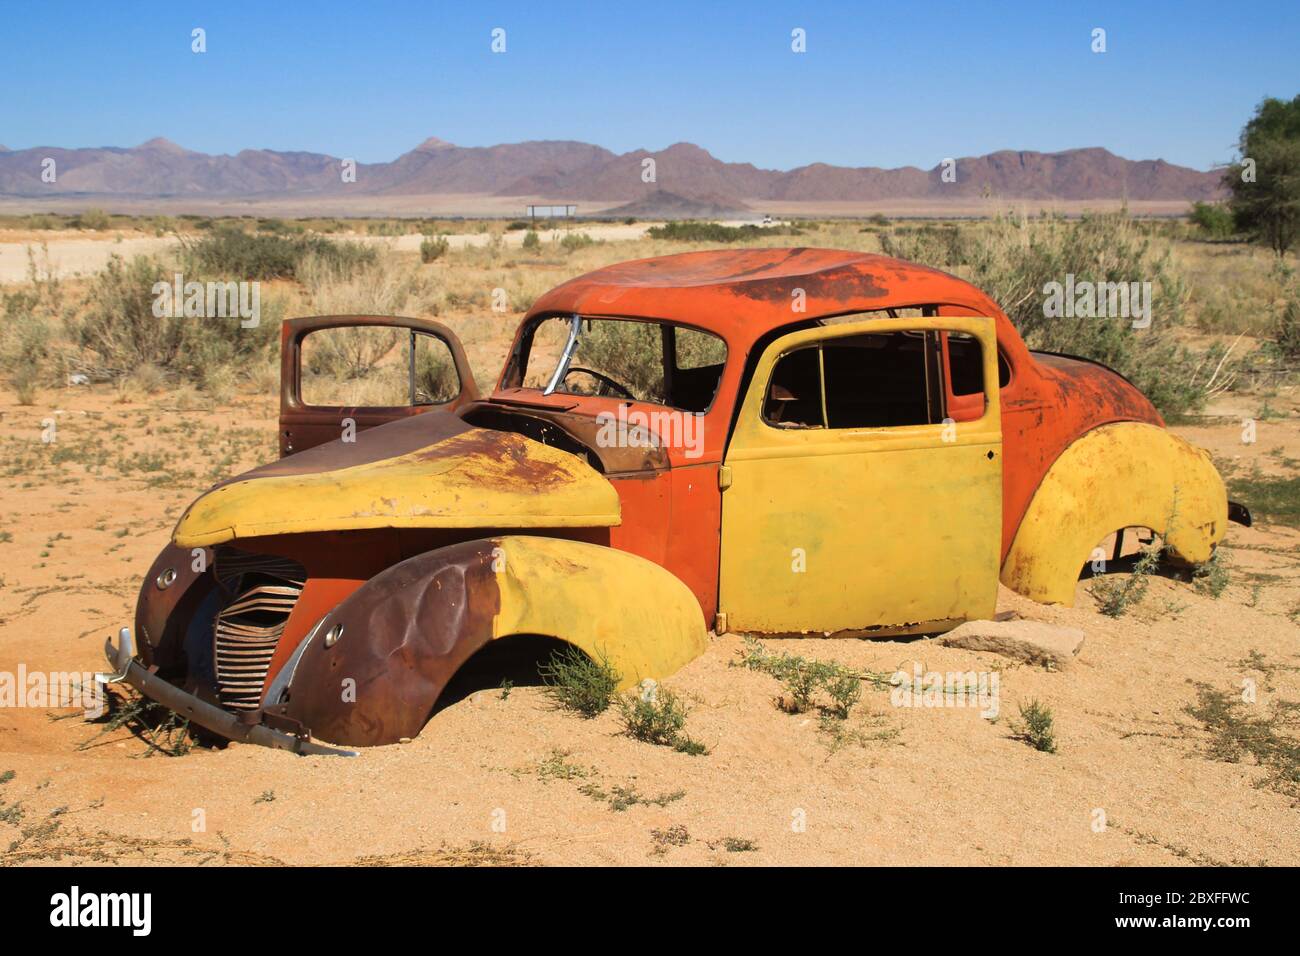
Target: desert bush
[(631, 353), (24, 342), (1013, 259), (349, 352), (118, 331), (803, 677), (231, 251), (1213, 576), (690, 230), (118, 326), (432, 248), (1036, 727), (573, 241), (532, 241), (380, 287), (436, 379), (578, 682), (658, 718), (1213, 219), (1115, 597), (95, 219), (1287, 331)]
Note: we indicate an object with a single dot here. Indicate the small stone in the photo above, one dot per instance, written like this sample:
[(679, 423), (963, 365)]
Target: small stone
[(1034, 642)]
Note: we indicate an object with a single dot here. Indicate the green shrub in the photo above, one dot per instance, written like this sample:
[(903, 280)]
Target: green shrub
[(432, 248), (803, 677), (1013, 259), (579, 683), (229, 251), (1037, 727), (1114, 597), (120, 333), (24, 344), (1213, 219), (658, 718), (576, 240), (1212, 577), (95, 219), (690, 230), (532, 241)]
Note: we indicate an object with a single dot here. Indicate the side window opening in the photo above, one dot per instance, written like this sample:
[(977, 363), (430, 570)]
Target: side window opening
[(878, 381), (874, 380)]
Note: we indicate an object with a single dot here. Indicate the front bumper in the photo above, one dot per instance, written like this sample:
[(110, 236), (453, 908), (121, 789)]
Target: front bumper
[(128, 670)]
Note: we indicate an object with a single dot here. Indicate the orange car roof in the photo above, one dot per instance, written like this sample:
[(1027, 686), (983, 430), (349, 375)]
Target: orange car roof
[(740, 294)]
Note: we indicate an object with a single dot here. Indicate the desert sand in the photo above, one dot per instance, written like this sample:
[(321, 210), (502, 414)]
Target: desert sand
[(507, 778)]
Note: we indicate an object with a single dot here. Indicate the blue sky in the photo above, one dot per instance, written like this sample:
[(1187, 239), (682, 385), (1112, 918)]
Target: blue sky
[(881, 84)]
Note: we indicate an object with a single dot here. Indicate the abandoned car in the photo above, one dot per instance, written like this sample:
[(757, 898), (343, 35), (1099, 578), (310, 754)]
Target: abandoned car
[(775, 441)]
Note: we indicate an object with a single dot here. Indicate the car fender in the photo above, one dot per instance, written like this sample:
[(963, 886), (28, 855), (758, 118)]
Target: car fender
[(1126, 474), (374, 667)]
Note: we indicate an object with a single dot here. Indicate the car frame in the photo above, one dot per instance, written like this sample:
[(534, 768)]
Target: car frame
[(441, 530)]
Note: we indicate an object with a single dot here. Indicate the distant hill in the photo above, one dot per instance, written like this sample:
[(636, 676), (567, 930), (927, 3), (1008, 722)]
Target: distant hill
[(685, 176)]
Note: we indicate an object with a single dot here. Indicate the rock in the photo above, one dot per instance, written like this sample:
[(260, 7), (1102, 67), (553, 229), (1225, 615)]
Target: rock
[(1030, 641)]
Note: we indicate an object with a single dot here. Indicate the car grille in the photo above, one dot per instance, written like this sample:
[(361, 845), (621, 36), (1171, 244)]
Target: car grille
[(263, 591)]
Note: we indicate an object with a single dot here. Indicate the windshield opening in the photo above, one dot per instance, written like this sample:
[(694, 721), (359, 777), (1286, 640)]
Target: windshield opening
[(655, 362)]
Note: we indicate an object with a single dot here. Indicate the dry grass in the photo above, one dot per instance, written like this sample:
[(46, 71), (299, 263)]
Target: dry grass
[(1225, 290)]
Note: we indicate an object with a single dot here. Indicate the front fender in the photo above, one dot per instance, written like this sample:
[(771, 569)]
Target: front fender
[(1123, 475), (404, 633)]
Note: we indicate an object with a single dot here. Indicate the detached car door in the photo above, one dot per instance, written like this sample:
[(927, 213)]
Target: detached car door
[(856, 502), (340, 372)]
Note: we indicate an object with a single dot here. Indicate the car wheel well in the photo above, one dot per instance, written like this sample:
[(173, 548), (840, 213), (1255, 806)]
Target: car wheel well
[(513, 657)]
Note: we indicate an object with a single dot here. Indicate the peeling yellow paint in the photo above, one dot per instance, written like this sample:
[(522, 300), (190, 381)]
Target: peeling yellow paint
[(476, 479), (851, 529), (1125, 475), (609, 603)]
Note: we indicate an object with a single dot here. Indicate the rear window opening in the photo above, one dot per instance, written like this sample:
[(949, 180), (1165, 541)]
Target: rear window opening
[(966, 365)]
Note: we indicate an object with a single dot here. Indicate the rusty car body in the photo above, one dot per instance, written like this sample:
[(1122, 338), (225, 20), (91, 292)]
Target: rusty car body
[(876, 448)]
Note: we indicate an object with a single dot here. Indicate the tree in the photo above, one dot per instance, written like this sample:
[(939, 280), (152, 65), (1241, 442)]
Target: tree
[(1265, 181)]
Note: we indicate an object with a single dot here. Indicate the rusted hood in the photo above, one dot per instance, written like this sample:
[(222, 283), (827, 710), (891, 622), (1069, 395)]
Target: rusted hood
[(427, 471)]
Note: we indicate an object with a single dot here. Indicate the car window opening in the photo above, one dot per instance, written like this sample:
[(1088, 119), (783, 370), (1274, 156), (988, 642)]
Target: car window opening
[(873, 380), (645, 361)]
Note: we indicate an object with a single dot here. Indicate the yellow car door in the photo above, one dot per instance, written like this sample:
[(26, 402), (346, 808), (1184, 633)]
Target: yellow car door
[(852, 501)]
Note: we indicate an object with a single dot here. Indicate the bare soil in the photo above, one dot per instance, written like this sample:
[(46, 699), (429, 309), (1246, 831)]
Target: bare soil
[(506, 778)]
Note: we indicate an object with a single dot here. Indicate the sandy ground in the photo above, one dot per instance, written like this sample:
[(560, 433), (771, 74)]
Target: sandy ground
[(88, 253), (508, 778)]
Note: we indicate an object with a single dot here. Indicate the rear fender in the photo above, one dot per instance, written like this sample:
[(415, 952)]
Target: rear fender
[(1128, 474), (405, 632)]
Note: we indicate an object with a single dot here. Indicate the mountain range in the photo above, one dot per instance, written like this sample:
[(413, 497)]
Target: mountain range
[(686, 176)]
